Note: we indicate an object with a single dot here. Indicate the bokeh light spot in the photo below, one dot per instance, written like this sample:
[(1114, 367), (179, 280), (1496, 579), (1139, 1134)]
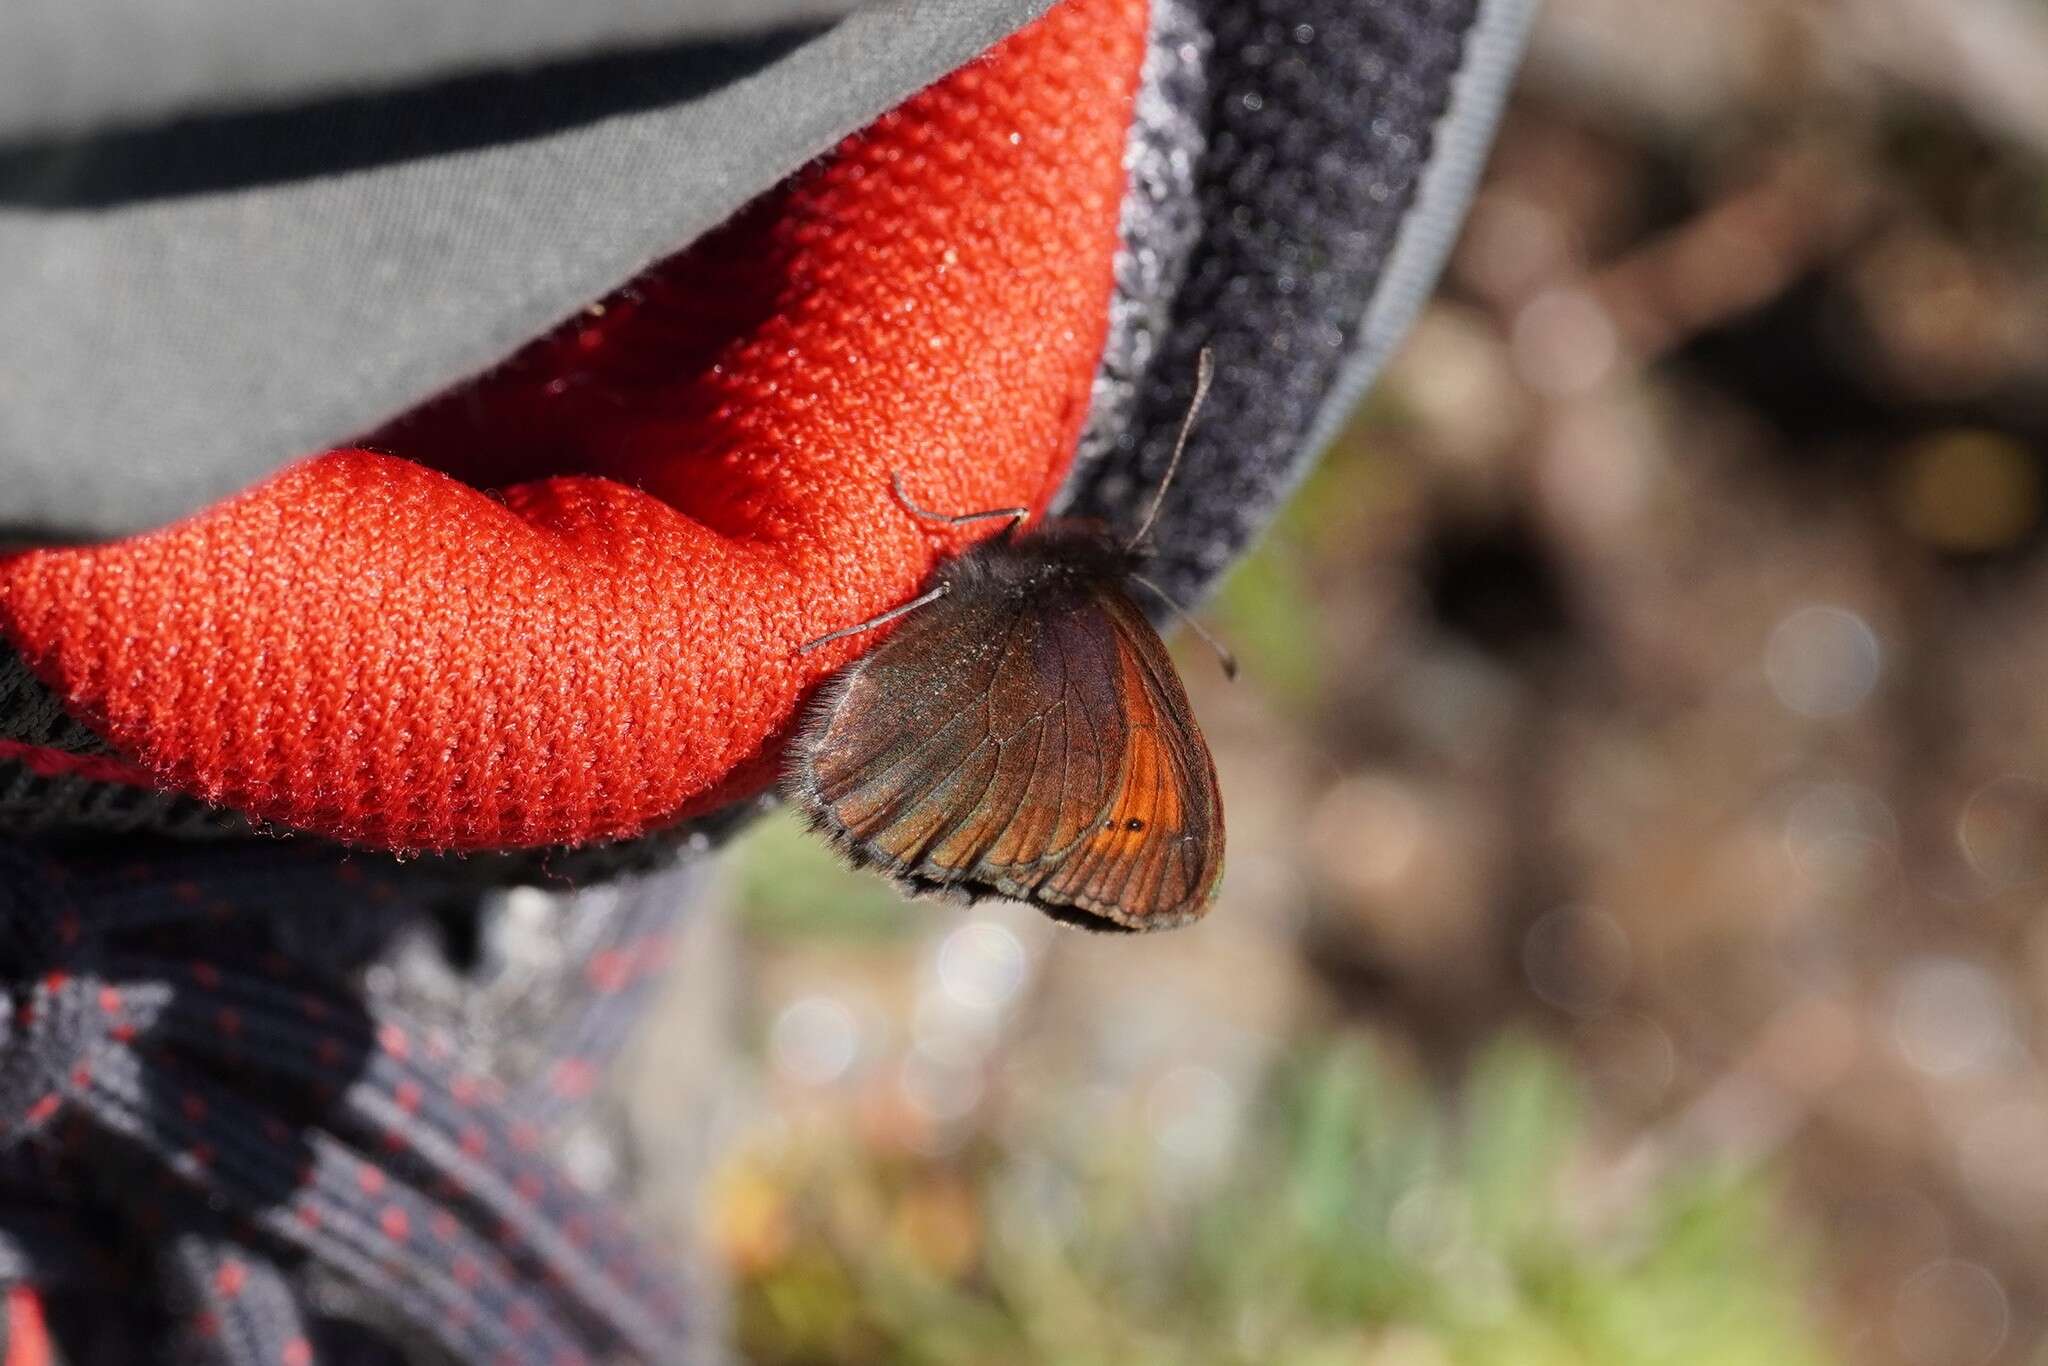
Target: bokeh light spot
[(2003, 830), (1564, 343), (1950, 1313), (1952, 1019), (981, 966), (1576, 960), (814, 1041), (1194, 1114), (1823, 661)]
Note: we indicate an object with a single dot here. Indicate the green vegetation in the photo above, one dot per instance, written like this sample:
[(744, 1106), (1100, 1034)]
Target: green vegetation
[(1355, 1224), (792, 885)]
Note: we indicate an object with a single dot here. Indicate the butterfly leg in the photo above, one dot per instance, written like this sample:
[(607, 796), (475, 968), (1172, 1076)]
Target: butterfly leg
[(1016, 515), (921, 600)]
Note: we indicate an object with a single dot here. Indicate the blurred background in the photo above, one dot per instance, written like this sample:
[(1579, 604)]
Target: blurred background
[(1631, 949)]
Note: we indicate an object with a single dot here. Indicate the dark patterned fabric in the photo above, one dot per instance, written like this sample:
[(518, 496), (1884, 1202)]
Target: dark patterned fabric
[(207, 1105)]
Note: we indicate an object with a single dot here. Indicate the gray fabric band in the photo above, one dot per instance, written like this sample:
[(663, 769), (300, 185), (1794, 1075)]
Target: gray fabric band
[(70, 66), (185, 308)]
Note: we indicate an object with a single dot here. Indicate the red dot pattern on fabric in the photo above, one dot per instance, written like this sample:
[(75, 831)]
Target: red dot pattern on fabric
[(563, 605), (27, 1337), (45, 762)]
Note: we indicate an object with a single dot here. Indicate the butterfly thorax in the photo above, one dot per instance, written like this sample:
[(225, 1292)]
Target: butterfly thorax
[(1059, 554)]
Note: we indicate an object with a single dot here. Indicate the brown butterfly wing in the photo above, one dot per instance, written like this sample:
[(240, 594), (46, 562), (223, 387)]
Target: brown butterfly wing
[(1030, 746), (1153, 857)]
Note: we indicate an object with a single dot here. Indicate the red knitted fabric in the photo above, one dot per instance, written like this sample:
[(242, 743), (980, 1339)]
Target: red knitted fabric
[(563, 605)]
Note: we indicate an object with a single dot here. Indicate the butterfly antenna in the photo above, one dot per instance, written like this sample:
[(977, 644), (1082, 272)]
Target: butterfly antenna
[(1205, 366), (1223, 655)]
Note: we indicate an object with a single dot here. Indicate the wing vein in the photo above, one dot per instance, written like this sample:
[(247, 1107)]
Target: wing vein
[(958, 814)]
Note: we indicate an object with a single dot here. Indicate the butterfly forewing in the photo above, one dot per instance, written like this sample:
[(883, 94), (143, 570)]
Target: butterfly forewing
[(902, 736), (982, 733), (1035, 747)]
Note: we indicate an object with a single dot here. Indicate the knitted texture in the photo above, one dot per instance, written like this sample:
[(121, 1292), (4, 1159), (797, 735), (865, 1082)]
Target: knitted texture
[(1321, 119), (213, 1140), (563, 605)]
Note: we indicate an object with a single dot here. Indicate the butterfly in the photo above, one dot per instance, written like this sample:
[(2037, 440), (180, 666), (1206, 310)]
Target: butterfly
[(1024, 733)]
